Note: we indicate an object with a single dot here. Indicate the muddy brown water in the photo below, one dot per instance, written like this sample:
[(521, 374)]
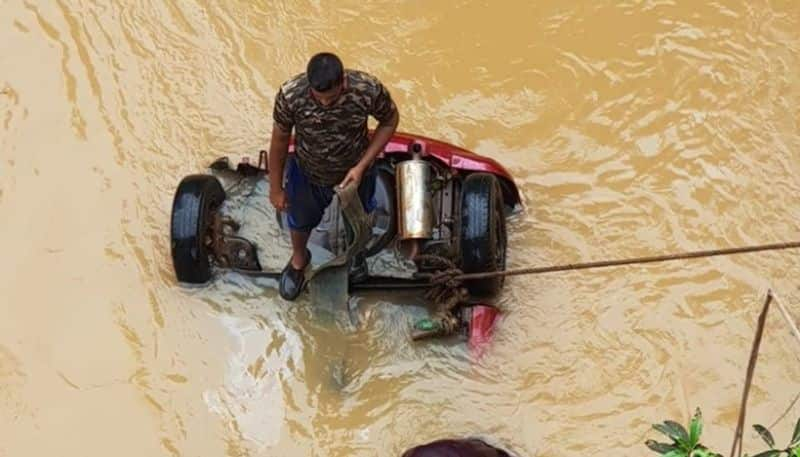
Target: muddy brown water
[(632, 128)]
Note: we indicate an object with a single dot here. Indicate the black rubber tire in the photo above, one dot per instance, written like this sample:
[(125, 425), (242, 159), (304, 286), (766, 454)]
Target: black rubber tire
[(197, 196), (482, 233)]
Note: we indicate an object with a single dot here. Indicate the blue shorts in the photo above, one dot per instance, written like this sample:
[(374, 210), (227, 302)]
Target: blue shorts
[(307, 201)]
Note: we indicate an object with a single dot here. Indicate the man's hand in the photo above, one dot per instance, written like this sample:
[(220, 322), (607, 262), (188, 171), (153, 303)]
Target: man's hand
[(353, 176), (278, 199)]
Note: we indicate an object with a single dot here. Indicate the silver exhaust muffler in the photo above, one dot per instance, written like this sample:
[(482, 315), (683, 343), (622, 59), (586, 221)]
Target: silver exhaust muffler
[(414, 199)]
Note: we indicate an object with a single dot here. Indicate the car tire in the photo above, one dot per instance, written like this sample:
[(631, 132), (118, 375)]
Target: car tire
[(195, 200), (482, 233)]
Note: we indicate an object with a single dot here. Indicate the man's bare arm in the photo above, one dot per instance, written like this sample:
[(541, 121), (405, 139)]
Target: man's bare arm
[(378, 142), (278, 150)]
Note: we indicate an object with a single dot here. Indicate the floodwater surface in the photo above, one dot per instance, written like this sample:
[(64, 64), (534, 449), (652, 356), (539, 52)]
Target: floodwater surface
[(632, 128)]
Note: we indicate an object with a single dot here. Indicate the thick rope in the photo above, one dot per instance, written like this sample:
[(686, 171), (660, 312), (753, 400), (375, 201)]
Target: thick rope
[(455, 275)]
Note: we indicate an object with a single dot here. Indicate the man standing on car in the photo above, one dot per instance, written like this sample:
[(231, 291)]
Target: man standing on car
[(328, 107)]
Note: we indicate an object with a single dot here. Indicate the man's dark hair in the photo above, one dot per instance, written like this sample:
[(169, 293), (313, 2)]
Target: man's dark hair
[(325, 71), (463, 448)]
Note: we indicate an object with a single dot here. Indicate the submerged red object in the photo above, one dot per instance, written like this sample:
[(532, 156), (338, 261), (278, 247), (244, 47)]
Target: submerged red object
[(481, 327), (456, 158)]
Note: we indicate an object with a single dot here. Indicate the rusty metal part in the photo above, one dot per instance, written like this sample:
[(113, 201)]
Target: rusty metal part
[(239, 253), (436, 256), (446, 208), (244, 167), (446, 299), (216, 232), (230, 251), (414, 202)]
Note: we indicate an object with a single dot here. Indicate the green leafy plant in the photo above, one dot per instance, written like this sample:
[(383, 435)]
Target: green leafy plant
[(684, 443), (792, 450), (687, 443)]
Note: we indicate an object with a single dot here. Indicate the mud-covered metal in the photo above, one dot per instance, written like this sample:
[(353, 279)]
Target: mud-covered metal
[(231, 251)]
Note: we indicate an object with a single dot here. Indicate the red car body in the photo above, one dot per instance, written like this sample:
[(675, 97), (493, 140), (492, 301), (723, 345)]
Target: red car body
[(453, 157)]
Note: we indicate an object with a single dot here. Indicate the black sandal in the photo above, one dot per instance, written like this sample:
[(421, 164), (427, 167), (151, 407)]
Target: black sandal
[(292, 280)]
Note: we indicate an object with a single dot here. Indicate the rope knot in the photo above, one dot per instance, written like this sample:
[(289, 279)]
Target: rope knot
[(447, 278)]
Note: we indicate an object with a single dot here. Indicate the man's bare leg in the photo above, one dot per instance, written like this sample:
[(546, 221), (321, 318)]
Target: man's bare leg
[(299, 242)]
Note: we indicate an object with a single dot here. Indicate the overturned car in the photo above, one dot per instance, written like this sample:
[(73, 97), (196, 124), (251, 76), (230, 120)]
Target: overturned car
[(435, 205)]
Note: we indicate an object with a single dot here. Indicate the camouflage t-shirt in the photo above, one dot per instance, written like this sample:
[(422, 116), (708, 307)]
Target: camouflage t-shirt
[(329, 140)]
